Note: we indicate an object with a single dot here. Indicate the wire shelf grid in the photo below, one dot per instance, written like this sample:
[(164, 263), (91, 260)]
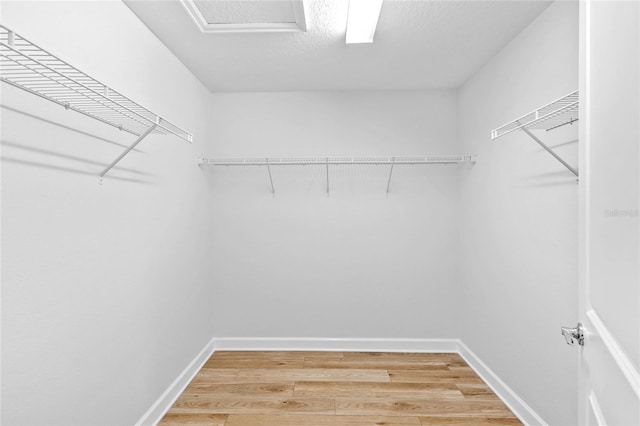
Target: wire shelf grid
[(25, 65), (558, 113), (329, 161), (296, 161)]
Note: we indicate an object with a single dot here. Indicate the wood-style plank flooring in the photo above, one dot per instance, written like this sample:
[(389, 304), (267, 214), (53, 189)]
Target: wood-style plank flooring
[(337, 388)]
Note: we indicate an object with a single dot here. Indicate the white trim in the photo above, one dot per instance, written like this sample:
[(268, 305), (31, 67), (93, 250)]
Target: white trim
[(268, 27), (516, 404), (335, 344), (159, 408), (596, 410), (194, 12), (584, 194), (625, 365), (300, 12)]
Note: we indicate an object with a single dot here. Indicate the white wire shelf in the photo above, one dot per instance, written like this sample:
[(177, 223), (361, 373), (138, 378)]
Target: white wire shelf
[(335, 161), (556, 114), (304, 161), (25, 65)]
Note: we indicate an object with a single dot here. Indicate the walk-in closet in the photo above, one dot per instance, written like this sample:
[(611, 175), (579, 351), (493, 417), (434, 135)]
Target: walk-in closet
[(320, 212)]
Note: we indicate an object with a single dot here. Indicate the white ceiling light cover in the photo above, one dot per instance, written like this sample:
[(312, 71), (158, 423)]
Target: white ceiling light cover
[(362, 20)]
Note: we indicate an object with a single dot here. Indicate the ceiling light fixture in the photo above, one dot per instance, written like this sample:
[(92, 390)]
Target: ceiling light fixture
[(362, 20)]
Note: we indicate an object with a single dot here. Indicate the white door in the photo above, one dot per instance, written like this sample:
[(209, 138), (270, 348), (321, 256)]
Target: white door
[(610, 232)]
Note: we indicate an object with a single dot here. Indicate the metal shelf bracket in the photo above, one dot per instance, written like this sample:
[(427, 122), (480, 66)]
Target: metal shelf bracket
[(126, 151), (327, 164), (550, 151), (273, 191), (393, 162)]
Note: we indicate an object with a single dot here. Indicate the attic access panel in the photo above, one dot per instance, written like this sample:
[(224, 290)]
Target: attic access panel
[(215, 16)]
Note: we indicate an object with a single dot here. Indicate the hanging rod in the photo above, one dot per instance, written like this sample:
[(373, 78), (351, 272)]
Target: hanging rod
[(561, 112), (29, 67), (327, 161)]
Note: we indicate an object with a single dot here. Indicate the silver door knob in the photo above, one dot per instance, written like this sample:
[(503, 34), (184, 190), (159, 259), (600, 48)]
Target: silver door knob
[(573, 336)]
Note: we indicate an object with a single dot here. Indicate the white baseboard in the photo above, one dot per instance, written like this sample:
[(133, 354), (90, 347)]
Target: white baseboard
[(520, 408), (335, 344), (159, 408), (500, 388)]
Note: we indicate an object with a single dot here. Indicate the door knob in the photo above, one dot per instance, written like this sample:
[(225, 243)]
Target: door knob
[(573, 336)]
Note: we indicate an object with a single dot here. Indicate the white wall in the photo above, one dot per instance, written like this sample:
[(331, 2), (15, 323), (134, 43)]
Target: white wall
[(105, 289), (520, 213), (352, 264)]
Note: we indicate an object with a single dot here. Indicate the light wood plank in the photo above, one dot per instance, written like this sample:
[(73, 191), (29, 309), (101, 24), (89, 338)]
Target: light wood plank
[(312, 374), (434, 376), (440, 357), (319, 420), (274, 354), (239, 389), (279, 359), (378, 390), (211, 375), (375, 363), (255, 360), (454, 363), (459, 367), (476, 391), (421, 407), (200, 419), (470, 421), (215, 404), (276, 363)]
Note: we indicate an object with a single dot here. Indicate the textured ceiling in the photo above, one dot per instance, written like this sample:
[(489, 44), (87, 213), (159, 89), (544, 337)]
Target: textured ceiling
[(418, 45)]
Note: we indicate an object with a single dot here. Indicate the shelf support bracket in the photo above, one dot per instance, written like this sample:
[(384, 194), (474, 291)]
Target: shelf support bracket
[(273, 191), (126, 151), (393, 160), (327, 164), (550, 151)]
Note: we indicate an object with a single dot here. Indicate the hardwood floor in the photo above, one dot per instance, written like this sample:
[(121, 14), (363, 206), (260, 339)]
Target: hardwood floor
[(336, 388)]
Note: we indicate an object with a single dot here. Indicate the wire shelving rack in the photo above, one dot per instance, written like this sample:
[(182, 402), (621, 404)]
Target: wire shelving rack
[(335, 161), (561, 112), (29, 67)]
